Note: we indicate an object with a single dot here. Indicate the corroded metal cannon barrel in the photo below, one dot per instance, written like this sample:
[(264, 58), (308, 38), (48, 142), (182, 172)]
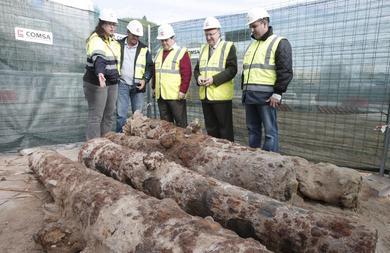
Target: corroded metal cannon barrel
[(260, 171), (116, 218), (279, 226)]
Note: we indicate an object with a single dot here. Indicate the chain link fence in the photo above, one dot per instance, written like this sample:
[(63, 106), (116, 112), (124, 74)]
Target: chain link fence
[(42, 62), (340, 92)]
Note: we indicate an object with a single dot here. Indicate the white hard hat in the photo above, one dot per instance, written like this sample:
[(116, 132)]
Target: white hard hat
[(108, 15), (136, 28), (256, 14), (165, 31), (211, 23)]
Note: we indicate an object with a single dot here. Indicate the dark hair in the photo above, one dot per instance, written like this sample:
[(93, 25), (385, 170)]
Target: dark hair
[(99, 30), (264, 20)]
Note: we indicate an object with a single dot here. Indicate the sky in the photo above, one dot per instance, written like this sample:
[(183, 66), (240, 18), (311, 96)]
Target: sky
[(160, 11)]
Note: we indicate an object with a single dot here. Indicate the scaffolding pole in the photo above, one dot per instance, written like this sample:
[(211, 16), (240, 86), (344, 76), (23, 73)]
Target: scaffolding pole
[(386, 145)]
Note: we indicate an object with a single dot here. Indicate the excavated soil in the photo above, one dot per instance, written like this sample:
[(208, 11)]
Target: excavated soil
[(25, 204)]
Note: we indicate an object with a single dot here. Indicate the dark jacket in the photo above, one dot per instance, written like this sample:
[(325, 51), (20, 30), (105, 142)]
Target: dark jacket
[(284, 71), (149, 62), (228, 74)]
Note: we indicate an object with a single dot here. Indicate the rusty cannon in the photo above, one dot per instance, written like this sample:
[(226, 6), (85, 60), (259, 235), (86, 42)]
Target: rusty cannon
[(113, 217), (277, 225), (268, 173)]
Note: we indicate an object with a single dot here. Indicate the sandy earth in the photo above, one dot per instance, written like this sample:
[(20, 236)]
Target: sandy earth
[(24, 201)]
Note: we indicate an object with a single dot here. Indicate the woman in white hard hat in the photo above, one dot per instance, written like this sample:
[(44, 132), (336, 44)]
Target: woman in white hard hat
[(102, 75)]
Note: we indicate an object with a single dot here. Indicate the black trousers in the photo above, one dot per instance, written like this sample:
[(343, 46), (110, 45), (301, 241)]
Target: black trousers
[(218, 118), (173, 111)]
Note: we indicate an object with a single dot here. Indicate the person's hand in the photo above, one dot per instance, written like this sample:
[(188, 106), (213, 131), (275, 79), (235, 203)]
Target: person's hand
[(181, 95), (208, 81), (201, 81), (141, 84), (102, 80), (274, 100)]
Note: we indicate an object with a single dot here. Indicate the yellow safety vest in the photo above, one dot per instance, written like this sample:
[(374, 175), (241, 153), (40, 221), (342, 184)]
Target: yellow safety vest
[(259, 64), (167, 74), (214, 65), (140, 65), (108, 49)]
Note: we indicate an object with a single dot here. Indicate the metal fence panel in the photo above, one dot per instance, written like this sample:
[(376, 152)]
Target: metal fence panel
[(340, 91), (339, 94), (41, 93)]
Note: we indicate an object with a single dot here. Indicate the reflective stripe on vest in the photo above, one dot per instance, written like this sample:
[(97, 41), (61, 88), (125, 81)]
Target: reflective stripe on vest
[(167, 74), (214, 65), (259, 64), (109, 50), (140, 65)]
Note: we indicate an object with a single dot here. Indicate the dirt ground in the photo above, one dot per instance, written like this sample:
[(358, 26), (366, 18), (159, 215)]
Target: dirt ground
[(24, 201)]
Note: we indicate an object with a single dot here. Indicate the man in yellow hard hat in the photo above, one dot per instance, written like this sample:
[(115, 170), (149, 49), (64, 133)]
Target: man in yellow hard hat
[(136, 71), (172, 77), (214, 72), (267, 71)]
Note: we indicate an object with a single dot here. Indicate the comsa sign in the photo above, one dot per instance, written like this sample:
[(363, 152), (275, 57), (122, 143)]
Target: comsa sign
[(33, 36)]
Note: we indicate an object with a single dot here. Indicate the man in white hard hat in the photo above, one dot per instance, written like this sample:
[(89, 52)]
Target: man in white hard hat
[(267, 71), (172, 77), (136, 71), (215, 72)]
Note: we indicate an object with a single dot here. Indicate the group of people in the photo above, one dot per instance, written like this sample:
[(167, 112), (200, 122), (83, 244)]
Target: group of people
[(118, 72)]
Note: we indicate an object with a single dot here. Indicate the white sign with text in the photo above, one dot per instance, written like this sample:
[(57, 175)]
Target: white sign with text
[(35, 36), (194, 52)]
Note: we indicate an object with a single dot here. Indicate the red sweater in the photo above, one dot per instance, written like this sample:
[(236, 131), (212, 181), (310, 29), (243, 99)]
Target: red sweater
[(185, 71)]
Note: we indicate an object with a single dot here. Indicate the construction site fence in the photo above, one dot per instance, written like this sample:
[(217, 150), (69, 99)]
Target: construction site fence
[(335, 109)]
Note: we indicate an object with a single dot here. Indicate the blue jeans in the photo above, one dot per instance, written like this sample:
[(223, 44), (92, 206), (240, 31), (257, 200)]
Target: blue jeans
[(127, 94), (258, 117)]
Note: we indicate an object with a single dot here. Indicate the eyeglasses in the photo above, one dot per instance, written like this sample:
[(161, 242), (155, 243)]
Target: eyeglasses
[(132, 35), (166, 40), (210, 34), (111, 24)]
